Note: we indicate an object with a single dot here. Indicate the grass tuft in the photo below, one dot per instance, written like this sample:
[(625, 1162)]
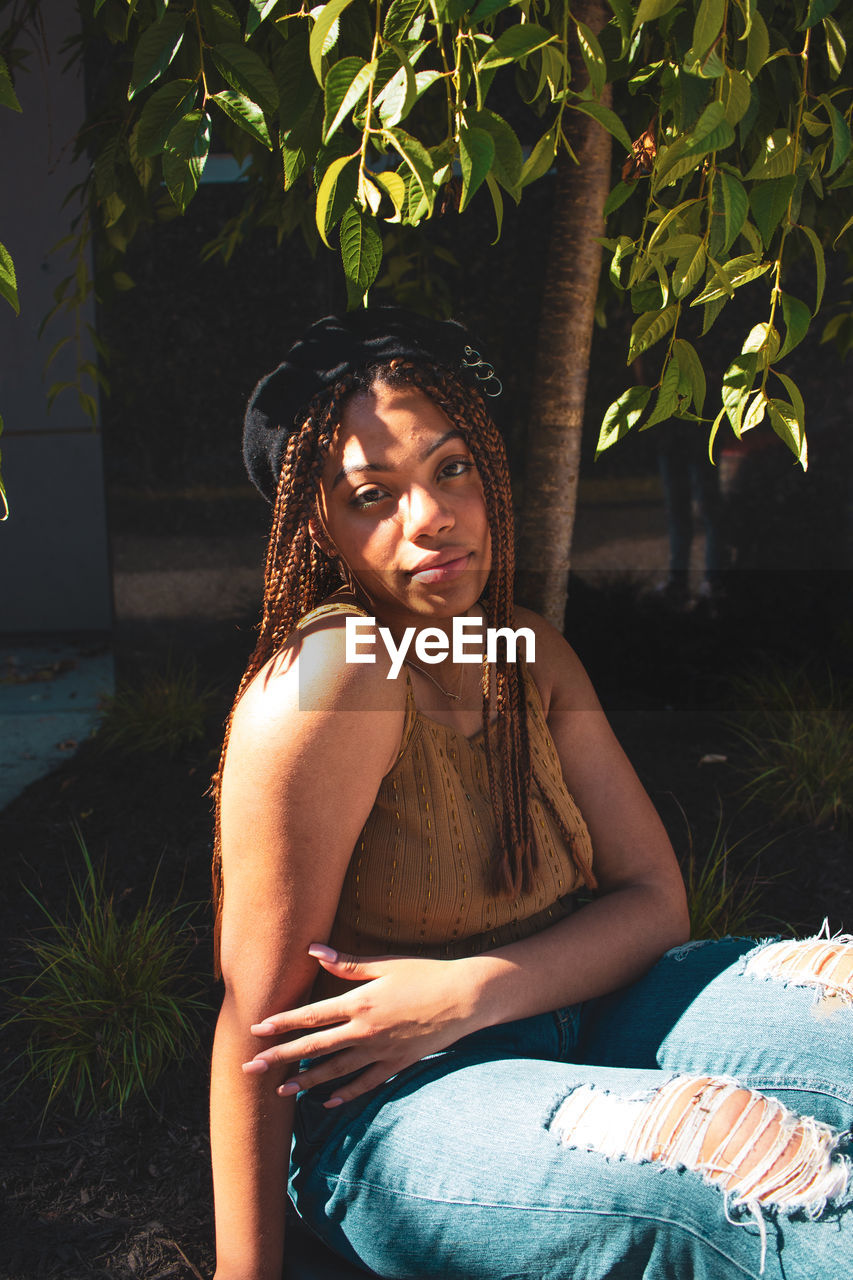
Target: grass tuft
[(164, 713), (110, 1001), (798, 745), (723, 898)]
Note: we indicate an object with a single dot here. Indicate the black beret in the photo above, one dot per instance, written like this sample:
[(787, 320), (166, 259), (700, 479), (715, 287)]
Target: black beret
[(339, 345)]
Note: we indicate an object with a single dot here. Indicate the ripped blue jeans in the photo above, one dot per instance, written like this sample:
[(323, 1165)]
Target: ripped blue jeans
[(688, 1127)]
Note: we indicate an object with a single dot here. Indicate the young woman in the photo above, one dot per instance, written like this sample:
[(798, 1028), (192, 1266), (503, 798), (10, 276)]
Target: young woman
[(479, 1080)]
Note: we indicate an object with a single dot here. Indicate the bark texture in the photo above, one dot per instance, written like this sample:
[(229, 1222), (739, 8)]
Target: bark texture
[(565, 337)]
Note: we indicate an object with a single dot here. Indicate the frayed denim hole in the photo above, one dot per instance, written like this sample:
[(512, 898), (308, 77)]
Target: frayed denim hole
[(679, 953)]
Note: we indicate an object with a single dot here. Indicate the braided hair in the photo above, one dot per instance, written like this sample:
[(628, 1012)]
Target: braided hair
[(299, 575)]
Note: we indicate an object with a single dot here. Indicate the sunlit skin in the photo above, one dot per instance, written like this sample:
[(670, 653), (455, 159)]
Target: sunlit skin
[(403, 504)]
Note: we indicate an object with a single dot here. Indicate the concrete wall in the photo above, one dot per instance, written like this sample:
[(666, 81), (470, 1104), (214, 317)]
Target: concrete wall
[(54, 566)]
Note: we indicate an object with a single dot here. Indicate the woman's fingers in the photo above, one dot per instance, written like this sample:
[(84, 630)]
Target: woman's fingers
[(363, 1083), (352, 968), (311, 1046)]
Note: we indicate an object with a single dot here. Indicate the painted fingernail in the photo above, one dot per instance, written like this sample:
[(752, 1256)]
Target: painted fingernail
[(289, 1086), (321, 952), (333, 1102), (262, 1028), (255, 1068)]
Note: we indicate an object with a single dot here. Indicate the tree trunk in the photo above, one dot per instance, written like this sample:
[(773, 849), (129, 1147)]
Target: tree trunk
[(565, 337)]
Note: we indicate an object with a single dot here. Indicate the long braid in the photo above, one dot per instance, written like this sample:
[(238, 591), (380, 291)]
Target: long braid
[(506, 743), (298, 575)]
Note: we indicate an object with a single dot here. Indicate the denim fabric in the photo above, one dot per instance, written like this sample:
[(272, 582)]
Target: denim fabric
[(452, 1168)]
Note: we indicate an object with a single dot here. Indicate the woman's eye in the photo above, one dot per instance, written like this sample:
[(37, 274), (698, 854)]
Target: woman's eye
[(368, 498), (458, 467)]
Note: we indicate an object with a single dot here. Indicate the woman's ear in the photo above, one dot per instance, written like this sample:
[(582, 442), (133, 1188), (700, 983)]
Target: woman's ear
[(320, 537)]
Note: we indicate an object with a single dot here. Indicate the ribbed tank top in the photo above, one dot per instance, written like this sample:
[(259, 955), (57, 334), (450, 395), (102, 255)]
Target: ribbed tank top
[(419, 879)]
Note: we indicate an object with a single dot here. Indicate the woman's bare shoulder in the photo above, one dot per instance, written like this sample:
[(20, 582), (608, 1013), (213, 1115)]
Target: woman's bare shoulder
[(312, 689)]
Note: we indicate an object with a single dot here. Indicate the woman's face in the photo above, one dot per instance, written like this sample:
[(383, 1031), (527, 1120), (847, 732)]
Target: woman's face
[(403, 503)]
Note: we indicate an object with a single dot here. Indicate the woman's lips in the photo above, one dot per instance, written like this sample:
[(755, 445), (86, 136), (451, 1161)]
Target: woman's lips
[(442, 572)]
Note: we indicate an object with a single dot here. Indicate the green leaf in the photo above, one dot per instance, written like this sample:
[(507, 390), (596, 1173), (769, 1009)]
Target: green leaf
[(244, 113), (246, 72), (651, 9), (335, 193), (688, 268), (711, 131), (841, 141), (793, 395), (691, 366), (737, 95), (836, 46), (508, 161), (399, 18), (820, 264), (737, 385), (817, 10), (593, 58), (605, 117), (778, 158), (326, 19), (769, 204), (514, 44), (848, 224), (301, 142), (185, 155), (729, 206), (763, 339), (621, 416), (166, 106), (155, 50), (8, 280), (476, 154), (541, 158), (346, 84), (361, 248), (623, 250), (667, 401), (623, 11), (393, 186), (797, 317), (123, 282), (783, 420), (708, 24), (8, 97), (757, 45), (737, 272), (710, 312), (417, 159), (488, 8), (497, 203), (649, 329), (259, 10)]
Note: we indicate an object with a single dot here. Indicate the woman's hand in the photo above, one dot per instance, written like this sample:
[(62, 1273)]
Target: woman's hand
[(404, 1009)]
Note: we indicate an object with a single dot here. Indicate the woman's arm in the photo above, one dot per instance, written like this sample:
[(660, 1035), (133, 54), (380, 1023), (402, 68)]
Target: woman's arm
[(412, 1007), (310, 742)]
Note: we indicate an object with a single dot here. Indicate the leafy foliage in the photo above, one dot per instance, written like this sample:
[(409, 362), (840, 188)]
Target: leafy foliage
[(164, 712), (798, 748), (109, 1002), (723, 892), (353, 118)]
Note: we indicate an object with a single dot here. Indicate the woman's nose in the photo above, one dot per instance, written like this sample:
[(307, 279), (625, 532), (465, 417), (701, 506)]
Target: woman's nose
[(426, 513)]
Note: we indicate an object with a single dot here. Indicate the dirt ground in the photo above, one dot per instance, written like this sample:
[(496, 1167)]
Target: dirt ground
[(129, 1196)]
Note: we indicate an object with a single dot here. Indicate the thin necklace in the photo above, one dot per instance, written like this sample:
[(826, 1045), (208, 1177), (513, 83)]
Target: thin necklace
[(454, 697)]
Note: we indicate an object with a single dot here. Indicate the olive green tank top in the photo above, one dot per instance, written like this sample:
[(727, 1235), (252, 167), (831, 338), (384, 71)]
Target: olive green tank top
[(419, 879)]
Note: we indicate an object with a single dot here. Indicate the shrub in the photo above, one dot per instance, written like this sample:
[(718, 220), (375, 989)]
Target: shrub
[(722, 897), (164, 713), (110, 1001), (798, 745)]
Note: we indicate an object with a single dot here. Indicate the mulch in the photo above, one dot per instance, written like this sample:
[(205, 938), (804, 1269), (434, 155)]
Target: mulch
[(129, 1196)]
